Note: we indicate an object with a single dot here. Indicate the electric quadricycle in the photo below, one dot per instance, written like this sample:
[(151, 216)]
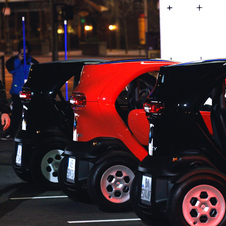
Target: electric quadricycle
[(182, 181), (110, 134), (47, 121)]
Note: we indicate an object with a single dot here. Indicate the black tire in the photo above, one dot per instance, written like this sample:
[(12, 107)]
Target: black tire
[(23, 172), (109, 184), (152, 219), (78, 194), (45, 162), (199, 200)]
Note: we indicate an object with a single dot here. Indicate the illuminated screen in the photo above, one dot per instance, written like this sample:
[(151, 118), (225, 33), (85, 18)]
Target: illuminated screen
[(192, 29)]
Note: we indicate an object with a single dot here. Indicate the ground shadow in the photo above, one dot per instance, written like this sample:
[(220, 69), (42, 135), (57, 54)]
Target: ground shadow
[(18, 190)]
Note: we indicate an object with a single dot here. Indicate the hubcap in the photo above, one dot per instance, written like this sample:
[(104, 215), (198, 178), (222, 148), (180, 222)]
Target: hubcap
[(50, 164), (203, 205), (116, 182)]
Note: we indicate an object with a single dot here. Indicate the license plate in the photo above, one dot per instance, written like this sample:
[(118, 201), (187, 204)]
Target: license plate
[(146, 188), (71, 169), (19, 155)]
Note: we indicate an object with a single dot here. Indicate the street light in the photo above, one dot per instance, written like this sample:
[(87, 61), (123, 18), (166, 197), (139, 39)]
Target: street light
[(60, 30), (111, 28), (88, 28)]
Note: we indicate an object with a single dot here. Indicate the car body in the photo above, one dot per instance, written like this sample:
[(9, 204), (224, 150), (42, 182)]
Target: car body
[(110, 134), (183, 179), (47, 121)]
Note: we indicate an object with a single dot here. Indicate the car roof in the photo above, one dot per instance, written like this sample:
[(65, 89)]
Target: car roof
[(109, 78), (49, 77), (187, 84), (136, 60), (194, 71)]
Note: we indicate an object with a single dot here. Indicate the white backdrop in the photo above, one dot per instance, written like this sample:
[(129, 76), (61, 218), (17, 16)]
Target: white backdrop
[(192, 29)]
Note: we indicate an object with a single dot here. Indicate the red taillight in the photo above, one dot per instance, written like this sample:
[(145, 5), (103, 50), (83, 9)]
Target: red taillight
[(25, 95), (78, 99), (154, 107)]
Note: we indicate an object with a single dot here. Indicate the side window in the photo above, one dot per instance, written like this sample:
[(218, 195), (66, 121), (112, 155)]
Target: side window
[(217, 96), (207, 106), (59, 96), (62, 91), (135, 93), (139, 89)]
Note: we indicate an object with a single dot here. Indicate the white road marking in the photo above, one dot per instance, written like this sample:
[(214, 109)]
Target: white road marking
[(40, 197), (99, 221)]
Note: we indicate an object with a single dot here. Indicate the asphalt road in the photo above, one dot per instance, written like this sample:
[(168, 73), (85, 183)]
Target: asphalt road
[(24, 204)]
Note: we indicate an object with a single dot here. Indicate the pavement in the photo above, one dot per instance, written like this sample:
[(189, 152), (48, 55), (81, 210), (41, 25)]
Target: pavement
[(109, 53), (113, 52), (6, 150), (119, 53)]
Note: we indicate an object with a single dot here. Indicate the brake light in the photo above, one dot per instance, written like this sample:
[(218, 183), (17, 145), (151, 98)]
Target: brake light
[(154, 107), (78, 99), (25, 95)]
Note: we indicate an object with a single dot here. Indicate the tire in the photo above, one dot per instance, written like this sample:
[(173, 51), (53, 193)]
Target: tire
[(45, 162), (22, 172), (109, 184), (78, 194), (155, 219), (199, 200)]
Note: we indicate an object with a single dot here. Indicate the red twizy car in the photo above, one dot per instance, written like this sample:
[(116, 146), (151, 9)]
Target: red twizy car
[(110, 131)]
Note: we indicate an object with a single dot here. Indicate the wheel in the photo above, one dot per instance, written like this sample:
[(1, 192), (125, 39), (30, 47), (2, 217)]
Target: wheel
[(22, 171), (78, 193), (199, 200), (45, 162), (109, 183), (153, 219)]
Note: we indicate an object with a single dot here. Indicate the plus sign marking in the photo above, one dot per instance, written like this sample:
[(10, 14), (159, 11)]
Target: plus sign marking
[(192, 29), (169, 7), (199, 7)]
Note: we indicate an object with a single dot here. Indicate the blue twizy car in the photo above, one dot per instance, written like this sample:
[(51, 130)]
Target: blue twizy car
[(183, 179)]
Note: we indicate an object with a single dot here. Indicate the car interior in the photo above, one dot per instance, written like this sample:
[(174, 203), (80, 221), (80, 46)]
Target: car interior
[(135, 94)]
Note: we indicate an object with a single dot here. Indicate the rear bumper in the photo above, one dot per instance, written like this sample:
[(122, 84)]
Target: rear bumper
[(83, 155), (24, 137), (23, 147)]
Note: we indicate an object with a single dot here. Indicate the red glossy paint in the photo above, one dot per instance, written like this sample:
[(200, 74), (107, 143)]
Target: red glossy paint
[(207, 119), (101, 85)]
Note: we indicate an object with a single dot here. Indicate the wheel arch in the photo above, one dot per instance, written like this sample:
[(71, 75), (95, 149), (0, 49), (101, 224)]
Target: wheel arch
[(115, 152), (201, 170), (48, 136)]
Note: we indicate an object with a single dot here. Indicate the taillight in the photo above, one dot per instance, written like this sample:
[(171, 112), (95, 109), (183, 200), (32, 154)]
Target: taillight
[(154, 107), (25, 95), (78, 99)]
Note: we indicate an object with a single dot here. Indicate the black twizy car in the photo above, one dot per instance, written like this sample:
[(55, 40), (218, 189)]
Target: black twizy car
[(47, 121), (183, 179)]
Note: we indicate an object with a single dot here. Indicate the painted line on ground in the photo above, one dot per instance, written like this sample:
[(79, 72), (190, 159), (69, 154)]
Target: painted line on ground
[(40, 197), (103, 221)]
